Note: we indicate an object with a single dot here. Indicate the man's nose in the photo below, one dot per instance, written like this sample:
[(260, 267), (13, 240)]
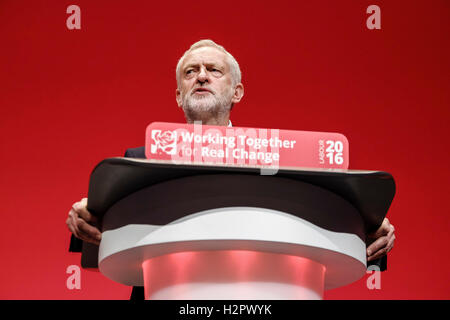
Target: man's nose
[(202, 75)]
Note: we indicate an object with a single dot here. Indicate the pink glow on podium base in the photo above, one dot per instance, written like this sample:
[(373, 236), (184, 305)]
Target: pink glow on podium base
[(232, 275)]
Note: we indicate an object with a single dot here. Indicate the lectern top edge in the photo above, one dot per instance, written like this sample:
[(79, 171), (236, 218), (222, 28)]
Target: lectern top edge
[(371, 192), (246, 167)]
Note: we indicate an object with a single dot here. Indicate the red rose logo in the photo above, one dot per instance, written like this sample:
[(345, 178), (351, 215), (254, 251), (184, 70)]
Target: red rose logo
[(165, 141)]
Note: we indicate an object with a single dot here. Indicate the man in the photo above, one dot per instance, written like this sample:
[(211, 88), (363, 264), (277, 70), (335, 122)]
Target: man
[(208, 85)]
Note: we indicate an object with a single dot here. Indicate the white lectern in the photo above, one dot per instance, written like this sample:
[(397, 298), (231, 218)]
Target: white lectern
[(212, 232)]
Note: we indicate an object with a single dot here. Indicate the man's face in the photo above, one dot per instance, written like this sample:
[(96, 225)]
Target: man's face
[(205, 83)]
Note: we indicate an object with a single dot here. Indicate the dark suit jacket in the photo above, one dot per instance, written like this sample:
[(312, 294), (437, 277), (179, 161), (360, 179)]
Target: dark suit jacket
[(138, 292)]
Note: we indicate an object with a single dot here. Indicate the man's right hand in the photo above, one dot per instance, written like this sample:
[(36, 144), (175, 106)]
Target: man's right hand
[(78, 223)]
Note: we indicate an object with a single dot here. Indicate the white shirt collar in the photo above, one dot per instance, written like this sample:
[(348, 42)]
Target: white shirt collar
[(229, 123)]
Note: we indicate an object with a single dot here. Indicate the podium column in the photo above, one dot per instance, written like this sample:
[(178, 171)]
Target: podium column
[(232, 274)]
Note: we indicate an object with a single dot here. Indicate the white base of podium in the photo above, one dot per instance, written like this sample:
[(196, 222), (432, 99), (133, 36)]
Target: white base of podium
[(197, 257), (231, 275)]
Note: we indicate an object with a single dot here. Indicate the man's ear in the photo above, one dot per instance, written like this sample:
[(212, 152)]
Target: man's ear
[(178, 97), (238, 93)]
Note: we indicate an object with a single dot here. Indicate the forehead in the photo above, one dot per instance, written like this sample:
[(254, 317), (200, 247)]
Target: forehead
[(205, 55)]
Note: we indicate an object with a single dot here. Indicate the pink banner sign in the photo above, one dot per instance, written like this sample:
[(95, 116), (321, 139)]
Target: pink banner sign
[(240, 146)]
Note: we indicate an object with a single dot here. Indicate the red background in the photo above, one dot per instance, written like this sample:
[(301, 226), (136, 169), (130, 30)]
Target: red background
[(70, 98)]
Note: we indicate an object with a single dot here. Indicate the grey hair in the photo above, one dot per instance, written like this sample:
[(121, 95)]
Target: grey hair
[(234, 66)]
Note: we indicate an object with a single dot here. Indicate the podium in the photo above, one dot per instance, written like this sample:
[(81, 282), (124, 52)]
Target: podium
[(219, 232)]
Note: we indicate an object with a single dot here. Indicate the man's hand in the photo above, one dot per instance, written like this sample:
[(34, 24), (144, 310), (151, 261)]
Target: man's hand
[(381, 241), (78, 223)]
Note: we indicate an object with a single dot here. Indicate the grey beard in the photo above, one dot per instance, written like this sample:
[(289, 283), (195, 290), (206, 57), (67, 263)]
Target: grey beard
[(209, 106)]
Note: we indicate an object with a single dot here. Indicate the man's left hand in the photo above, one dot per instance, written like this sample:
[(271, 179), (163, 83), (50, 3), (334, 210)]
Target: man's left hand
[(381, 241)]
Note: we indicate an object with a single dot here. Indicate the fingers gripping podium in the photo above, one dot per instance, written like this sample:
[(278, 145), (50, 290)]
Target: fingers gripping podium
[(213, 232)]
